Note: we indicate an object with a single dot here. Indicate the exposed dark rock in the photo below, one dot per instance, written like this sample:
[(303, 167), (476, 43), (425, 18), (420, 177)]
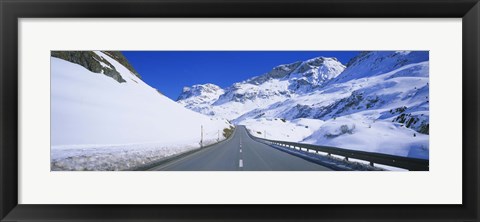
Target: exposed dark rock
[(90, 61), (276, 73), (119, 57), (415, 122)]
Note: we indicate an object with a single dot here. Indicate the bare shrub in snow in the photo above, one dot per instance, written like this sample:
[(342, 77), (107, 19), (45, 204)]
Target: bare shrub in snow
[(344, 129)]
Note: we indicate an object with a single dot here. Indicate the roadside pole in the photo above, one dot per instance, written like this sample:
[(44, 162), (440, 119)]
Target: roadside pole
[(201, 136)]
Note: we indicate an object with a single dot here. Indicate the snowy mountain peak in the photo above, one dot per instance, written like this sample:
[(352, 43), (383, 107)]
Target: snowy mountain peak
[(199, 97), (317, 61), (314, 72), (186, 89), (203, 90)]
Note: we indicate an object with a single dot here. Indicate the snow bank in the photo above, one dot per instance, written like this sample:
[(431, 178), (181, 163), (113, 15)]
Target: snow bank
[(116, 157)]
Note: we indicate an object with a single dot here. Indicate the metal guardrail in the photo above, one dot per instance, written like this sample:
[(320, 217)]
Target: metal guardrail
[(412, 164)]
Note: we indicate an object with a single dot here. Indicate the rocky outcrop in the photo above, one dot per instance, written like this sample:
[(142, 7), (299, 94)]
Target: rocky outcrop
[(119, 57), (95, 63)]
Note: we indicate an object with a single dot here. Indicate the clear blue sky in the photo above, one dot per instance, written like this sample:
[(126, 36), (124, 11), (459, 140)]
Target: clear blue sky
[(170, 71)]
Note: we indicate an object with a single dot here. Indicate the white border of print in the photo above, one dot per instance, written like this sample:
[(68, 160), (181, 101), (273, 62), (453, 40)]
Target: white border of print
[(441, 185)]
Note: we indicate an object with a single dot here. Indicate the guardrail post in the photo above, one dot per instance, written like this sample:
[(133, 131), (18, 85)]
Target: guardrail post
[(371, 164), (346, 158)]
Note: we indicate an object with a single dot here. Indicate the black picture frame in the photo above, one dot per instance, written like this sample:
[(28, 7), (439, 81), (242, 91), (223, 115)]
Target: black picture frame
[(12, 10)]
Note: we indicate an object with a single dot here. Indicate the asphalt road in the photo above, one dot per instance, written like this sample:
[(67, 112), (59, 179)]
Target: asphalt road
[(240, 152)]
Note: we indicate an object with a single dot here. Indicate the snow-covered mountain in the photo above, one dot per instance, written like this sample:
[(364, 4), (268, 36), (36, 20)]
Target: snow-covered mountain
[(378, 102), (102, 111), (281, 83)]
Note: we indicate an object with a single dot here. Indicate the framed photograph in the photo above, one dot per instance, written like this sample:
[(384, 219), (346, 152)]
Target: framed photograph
[(268, 110), (371, 114)]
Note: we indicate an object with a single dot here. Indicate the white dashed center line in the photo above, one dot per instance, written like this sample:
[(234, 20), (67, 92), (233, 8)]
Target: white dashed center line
[(240, 163), (240, 150)]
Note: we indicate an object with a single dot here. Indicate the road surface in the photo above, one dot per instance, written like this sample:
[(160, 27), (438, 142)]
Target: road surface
[(240, 152)]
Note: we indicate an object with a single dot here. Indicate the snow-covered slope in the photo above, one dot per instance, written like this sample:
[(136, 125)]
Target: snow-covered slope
[(379, 103), (91, 111), (369, 64)]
